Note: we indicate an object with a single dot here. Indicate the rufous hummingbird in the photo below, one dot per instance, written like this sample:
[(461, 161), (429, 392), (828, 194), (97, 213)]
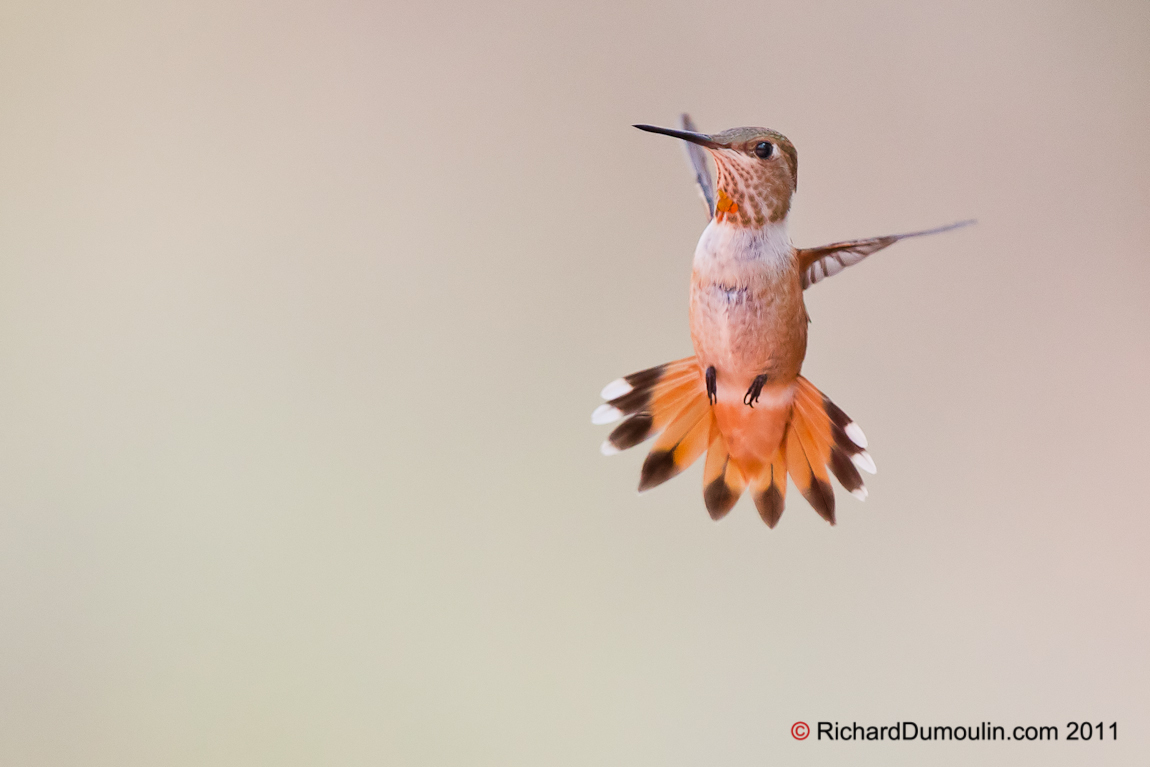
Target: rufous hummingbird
[(741, 399)]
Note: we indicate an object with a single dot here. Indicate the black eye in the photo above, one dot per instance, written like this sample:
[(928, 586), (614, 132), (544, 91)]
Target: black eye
[(764, 148)]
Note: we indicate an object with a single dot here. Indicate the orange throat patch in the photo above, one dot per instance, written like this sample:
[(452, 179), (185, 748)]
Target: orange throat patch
[(725, 205)]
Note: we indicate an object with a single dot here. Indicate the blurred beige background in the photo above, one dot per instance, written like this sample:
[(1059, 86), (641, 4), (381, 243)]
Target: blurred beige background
[(304, 309)]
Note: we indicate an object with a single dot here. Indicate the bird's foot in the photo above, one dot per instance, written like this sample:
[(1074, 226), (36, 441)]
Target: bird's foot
[(752, 395), (712, 396)]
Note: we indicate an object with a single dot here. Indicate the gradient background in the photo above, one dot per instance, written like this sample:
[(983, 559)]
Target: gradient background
[(304, 309)]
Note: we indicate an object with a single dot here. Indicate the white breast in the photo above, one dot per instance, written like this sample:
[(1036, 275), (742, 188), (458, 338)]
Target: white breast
[(724, 245)]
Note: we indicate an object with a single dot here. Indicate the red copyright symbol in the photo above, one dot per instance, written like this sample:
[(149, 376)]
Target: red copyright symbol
[(800, 730)]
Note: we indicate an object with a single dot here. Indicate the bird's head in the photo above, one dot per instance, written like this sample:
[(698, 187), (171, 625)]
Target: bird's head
[(757, 172)]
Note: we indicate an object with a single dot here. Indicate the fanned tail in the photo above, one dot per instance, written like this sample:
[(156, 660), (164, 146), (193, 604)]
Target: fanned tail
[(671, 401)]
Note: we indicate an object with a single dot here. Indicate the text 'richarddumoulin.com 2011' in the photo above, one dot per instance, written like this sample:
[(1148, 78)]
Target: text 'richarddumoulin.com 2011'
[(983, 731)]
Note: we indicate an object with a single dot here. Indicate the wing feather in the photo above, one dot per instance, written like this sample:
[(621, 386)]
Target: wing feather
[(819, 263), (697, 156)]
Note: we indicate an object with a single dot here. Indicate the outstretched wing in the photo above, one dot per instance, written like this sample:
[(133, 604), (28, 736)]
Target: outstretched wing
[(697, 156), (829, 260)]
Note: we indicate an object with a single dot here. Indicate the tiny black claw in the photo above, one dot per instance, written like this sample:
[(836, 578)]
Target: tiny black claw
[(712, 397), (752, 395)]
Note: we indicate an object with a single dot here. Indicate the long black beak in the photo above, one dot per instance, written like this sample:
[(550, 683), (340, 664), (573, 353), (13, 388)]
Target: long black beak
[(701, 139)]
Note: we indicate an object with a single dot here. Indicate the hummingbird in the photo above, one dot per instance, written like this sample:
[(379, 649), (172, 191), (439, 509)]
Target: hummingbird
[(741, 398)]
